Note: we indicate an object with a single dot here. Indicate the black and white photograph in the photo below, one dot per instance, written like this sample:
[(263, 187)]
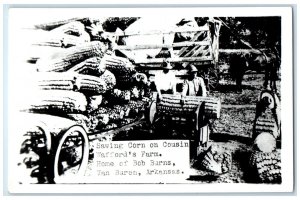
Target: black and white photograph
[(161, 97)]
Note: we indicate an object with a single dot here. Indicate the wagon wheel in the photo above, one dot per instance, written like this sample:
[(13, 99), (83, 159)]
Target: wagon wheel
[(38, 139), (35, 146), (212, 78), (72, 155)]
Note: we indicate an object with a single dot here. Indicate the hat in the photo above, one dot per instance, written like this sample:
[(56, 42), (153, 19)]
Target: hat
[(166, 65), (192, 68)]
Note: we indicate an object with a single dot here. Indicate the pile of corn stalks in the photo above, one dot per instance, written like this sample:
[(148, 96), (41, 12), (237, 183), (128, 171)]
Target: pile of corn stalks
[(265, 159), (80, 79)]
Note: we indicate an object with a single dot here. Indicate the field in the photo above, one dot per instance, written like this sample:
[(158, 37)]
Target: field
[(233, 131)]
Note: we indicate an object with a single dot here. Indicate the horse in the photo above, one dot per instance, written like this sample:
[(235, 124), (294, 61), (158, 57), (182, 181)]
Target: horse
[(238, 64), (270, 61)]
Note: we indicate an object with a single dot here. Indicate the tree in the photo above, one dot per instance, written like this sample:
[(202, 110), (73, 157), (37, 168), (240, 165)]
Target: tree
[(258, 32)]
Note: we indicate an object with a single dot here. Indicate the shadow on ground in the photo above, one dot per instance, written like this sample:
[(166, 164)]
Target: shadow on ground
[(232, 88)]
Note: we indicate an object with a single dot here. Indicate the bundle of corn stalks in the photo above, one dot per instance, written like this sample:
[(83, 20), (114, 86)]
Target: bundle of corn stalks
[(55, 81), (56, 101), (177, 105), (214, 162), (267, 116), (265, 159), (121, 96), (57, 39), (109, 78), (90, 84), (123, 70), (123, 109), (71, 56), (136, 107), (129, 80), (106, 115), (90, 66), (266, 123), (70, 81), (55, 24), (119, 65), (267, 165), (116, 114)]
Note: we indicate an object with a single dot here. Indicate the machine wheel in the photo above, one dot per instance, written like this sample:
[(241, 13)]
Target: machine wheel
[(152, 112), (201, 126), (72, 154), (200, 117)]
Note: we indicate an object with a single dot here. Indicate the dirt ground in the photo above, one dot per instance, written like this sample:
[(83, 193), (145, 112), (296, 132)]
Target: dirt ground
[(230, 133)]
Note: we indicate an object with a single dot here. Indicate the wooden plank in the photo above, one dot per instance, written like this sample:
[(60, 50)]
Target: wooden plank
[(193, 40), (241, 51), (211, 51), (157, 66), (158, 32), (150, 46), (198, 51), (192, 51), (207, 52), (230, 106), (173, 60)]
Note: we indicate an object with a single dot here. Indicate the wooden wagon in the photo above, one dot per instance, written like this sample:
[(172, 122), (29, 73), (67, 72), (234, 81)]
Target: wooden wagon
[(200, 48), (56, 149)]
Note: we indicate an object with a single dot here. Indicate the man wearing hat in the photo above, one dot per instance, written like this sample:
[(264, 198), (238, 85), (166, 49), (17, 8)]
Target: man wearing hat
[(193, 85), (165, 81)]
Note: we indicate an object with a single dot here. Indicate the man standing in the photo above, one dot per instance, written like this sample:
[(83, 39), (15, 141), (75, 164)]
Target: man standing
[(165, 81), (238, 67), (194, 85)]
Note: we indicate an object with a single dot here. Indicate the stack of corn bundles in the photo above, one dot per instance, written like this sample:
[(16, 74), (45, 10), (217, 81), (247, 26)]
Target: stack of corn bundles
[(185, 105), (266, 123), (72, 82), (79, 81), (64, 60), (266, 158), (267, 166)]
